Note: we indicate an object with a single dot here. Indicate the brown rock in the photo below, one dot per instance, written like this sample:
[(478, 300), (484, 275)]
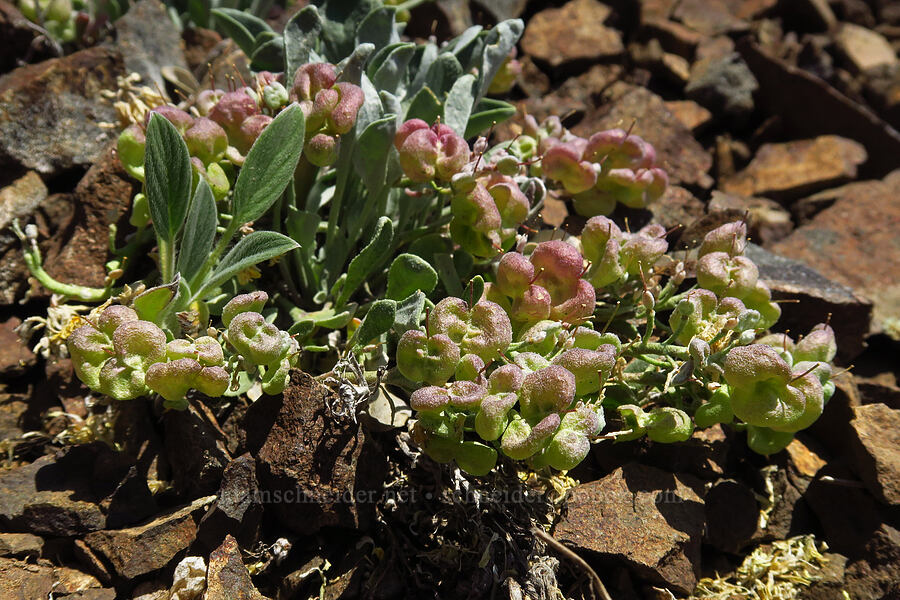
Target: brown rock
[(642, 517), (19, 199), (237, 510), (20, 545), (15, 355), (809, 107), (198, 43), (881, 388), (867, 51), (573, 33), (148, 42), (731, 515), (683, 158), (673, 37), (767, 221), (323, 470), (226, 577), (28, 581), (855, 243), (709, 17), (676, 208), (803, 459), (102, 198), (793, 169), (195, 446), (18, 39), (50, 113), (876, 438), (145, 548), (91, 561), (693, 116), (817, 298)]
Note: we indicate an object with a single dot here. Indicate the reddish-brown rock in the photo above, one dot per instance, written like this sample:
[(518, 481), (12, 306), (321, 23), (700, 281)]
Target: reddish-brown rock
[(794, 169), (855, 242), (641, 517), (874, 445), (227, 578), (867, 51), (15, 355), (573, 33)]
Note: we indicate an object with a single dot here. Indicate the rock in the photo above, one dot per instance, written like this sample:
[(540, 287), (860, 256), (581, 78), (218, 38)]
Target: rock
[(27, 581), (91, 561), (879, 389), (20, 545), (317, 470), (731, 515), (791, 170), (225, 63), (693, 116), (676, 208), (227, 578), (709, 17), (704, 455), (808, 107), (867, 51), (15, 356), (198, 43), (725, 86), (142, 549), (673, 37), (12, 413), (93, 594), (767, 222), (884, 95), (854, 242), (803, 459), (147, 41), (846, 531), (877, 575), (84, 488), (644, 518), (102, 198), (571, 35), (19, 199), (683, 158), (874, 444), (809, 15), (817, 297), (782, 513), (195, 446), (237, 510), (51, 113)]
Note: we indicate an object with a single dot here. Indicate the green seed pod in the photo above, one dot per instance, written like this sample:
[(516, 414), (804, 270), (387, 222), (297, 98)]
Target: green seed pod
[(505, 379), (730, 238), (431, 399), (548, 390), (761, 393), (139, 344), (469, 368), (667, 425), (484, 329), (276, 377), (590, 367), (475, 458), (258, 342), (542, 337), (172, 380), (727, 275), (492, 417), (521, 440), (765, 441), (206, 350), (432, 360), (121, 382), (252, 302), (716, 410), (89, 349), (818, 345)]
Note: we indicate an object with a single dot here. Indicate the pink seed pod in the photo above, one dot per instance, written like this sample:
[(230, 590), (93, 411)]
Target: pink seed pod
[(322, 149), (206, 140), (547, 390), (730, 238), (249, 131), (727, 275), (249, 302), (514, 274), (558, 267), (343, 117), (312, 78), (231, 110), (177, 117), (532, 306), (563, 163)]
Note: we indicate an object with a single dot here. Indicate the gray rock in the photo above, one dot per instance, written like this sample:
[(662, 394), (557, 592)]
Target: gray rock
[(237, 510), (148, 41), (725, 86), (51, 113), (818, 297), (20, 545)]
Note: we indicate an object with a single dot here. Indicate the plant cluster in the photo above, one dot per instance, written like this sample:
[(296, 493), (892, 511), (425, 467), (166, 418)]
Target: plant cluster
[(404, 248)]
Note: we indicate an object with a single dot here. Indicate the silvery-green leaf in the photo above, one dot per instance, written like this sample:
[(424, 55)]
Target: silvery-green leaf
[(353, 66), (150, 303), (500, 40), (458, 105), (408, 274), (167, 172), (420, 64), (301, 36), (269, 166), (487, 112), (443, 73), (199, 231), (377, 321), (373, 149), (370, 257), (340, 21), (409, 312), (378, 28), (251, 250), (425, 105), (268, 56), (390, 74)]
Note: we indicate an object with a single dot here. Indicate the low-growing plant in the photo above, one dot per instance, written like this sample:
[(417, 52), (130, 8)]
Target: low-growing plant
[(405, 249)]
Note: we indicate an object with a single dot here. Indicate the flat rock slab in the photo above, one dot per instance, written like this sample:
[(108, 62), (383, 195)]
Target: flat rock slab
[(315, 469), (644, 518), (20, 545), (145, 548), (855, 242), (817, 297), (683, 158), (28, 581), (875, 446), (51, 112), (866, 50), (147, 41), (794, 169), (573, 33), (227, 578)]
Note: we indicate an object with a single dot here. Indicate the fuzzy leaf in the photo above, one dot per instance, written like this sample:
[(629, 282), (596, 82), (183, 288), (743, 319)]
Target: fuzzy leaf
[(407, 274), (459, 103), (409, 313), (167, 172), (377, 321), (472, 293), (425, 105), (269, 166), (389, 75), (341, 19), (368, 259), (487, 112), (149, 304), (301, 37), (199, 231), (268, 55), (378, 28), (373, 150), (253, 249), (443, 73), (229, 26), (498, 43)]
